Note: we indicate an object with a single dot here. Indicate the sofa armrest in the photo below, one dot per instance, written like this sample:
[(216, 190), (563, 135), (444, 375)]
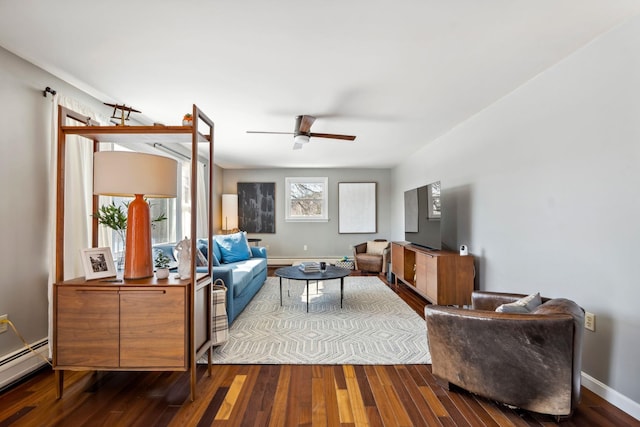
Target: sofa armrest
[(224, 273), (258, 251)]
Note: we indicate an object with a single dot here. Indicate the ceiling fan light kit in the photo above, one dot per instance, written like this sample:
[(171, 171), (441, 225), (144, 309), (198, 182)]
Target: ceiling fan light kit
[(301, 139), (302, 132)]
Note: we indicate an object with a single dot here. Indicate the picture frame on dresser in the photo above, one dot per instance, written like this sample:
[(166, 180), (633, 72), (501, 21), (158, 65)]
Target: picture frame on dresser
[(97, 263)]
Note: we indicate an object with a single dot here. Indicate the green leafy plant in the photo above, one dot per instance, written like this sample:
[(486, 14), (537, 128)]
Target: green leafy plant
[(162, 260), (112, 216), (115, 217)]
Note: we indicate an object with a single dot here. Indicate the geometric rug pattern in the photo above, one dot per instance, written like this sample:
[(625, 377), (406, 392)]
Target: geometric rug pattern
[(374, 326)]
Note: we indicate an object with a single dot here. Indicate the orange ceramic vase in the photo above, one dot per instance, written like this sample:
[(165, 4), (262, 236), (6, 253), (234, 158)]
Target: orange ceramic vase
[(138, 260)]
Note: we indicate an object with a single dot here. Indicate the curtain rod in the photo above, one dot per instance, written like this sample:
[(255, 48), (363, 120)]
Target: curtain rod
[(171, 151), (49, 90)]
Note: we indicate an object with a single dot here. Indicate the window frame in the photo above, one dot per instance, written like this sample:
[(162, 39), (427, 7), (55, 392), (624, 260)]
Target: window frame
[(324, 216)]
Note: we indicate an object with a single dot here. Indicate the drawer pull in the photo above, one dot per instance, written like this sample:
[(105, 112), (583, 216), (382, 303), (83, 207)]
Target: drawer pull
[(136, 291)]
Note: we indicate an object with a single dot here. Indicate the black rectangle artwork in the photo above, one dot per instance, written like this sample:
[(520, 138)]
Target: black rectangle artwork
[(257, 207)]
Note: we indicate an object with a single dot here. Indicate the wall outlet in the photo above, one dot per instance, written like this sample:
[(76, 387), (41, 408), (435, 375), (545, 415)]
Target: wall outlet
[(590, 321), (304, 247), (4, 326)]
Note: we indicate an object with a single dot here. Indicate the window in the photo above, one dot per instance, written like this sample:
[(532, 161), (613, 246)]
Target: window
[(307, 199)]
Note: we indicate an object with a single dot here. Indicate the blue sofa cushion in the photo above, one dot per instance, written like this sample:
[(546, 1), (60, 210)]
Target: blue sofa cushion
[(233, 247), (243, 272), (203, 245)]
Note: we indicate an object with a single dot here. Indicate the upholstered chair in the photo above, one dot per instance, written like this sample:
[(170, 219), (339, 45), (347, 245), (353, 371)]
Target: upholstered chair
[(529, 357), (372, 256)]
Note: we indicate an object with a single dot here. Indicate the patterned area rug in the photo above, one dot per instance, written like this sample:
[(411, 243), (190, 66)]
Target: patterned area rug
[(374, 326)]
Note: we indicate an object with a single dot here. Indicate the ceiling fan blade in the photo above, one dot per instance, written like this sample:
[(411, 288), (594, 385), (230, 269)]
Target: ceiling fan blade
[(333, 136), (297, 146), (303, 123), (276, 133)]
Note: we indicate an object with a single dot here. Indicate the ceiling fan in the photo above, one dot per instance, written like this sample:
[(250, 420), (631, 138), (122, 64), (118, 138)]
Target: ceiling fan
[(302, 132)]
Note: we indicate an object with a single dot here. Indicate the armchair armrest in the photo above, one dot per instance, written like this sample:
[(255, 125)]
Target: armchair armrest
[(360, 248)]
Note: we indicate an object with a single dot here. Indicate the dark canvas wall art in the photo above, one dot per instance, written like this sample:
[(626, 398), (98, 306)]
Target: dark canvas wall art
[(257, 207)]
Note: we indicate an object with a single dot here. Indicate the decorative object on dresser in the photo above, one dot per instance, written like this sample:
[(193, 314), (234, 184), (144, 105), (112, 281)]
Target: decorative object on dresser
[(162, 263), (98, 263), (124, 173), (183, 251), (442, 277)]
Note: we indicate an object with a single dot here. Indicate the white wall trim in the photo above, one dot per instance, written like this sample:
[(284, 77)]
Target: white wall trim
[(292, 261), (20, 363), (610, 395)]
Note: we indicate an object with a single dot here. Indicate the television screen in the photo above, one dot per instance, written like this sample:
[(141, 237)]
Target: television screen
[(422, 214)]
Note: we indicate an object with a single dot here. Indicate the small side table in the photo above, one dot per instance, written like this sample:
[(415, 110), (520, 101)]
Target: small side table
[(254, 240)]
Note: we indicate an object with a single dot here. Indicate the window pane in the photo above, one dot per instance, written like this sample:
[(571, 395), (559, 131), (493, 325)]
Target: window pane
[(306, 199)]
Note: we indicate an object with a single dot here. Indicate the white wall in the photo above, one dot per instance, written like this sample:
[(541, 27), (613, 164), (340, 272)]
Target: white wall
[(25, 116), (543, 187)]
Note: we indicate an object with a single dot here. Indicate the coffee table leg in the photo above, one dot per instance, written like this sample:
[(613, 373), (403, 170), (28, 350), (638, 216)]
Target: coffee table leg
[(341, 290), (307, 296), (281, 292)]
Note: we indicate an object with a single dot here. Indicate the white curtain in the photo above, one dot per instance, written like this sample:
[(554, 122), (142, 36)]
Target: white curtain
[(78, 196), (202, 215)]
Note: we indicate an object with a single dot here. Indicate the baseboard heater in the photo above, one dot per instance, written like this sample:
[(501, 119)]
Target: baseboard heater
[(15, 366)]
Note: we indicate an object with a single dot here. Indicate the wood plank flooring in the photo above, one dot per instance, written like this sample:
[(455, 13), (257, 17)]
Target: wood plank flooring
[(275, 395)]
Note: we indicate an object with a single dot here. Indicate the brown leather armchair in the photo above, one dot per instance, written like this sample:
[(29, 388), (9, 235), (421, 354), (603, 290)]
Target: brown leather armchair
[(373, 255), (532, 361)]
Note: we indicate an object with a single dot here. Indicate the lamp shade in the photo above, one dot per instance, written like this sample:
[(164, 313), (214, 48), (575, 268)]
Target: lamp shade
[(229, 211), (125, 174)]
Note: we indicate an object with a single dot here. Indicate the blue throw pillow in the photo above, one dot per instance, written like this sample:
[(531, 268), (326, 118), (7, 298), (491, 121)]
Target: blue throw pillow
[(203, 245), (233, 247), (217, 255)]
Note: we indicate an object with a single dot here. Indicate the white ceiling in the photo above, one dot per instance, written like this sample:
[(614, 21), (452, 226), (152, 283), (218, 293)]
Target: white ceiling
[(397, 74)]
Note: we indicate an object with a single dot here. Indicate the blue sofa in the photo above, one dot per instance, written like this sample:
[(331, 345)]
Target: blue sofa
[(243, 278)]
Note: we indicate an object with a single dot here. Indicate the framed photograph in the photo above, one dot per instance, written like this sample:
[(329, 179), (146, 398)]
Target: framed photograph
[(357, 207), (98, 263)]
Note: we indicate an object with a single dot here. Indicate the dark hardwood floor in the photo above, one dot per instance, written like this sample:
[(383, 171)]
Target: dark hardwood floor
[(275, 395)]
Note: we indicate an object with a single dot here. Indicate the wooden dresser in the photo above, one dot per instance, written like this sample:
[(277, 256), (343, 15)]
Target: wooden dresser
[(137, 324), (442, 277)]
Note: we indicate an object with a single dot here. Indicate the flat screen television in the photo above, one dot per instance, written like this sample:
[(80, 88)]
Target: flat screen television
[(422, 214)]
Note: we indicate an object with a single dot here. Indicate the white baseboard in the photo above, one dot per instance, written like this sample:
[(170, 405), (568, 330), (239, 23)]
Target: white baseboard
[(22, 362), (610, 395), (291, 261)]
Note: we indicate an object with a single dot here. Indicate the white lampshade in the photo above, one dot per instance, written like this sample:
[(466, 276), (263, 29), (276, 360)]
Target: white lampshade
[(229, 211), (125, 174), (301, 139)]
